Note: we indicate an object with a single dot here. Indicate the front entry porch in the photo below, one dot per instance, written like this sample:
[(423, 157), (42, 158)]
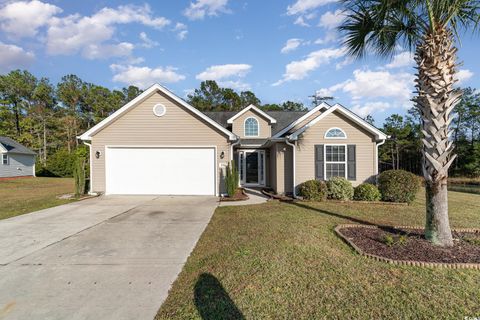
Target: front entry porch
[(251, 167)]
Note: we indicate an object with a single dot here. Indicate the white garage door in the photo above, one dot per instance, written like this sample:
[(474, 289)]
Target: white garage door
[(164, 171)]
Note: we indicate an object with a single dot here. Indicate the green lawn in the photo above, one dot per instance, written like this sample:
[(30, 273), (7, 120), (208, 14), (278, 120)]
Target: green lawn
[(25, 195), (283, 261)]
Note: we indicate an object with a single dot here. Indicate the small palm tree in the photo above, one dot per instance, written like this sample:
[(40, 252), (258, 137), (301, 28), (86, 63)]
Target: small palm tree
[(429, 28)]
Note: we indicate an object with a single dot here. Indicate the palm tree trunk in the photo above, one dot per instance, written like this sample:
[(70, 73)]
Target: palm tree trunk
[(436, 98)]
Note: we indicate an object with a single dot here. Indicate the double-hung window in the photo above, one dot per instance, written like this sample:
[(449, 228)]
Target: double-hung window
[(335, 161), (5, 159)]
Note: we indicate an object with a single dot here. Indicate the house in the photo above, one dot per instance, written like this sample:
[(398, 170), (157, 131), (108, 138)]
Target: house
[(159, 144), (16, 159)]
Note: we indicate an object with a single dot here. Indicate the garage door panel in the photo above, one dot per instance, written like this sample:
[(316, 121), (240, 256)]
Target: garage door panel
[(165, 171)]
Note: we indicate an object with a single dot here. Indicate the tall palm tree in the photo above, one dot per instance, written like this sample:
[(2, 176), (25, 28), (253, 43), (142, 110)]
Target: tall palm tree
[(430, 29)]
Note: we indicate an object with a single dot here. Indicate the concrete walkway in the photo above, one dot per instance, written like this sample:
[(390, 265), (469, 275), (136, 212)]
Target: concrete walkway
[(102, 258), (255, 197)]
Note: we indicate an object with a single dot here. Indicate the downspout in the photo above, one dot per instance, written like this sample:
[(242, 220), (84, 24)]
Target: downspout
[(294, 147), (90, 187), (377, 156), (231, 155), (231, 148)]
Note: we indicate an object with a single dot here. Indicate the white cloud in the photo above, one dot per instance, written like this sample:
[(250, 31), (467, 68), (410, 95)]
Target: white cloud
[(330, 36), (403, 59), (144, 77), (24, 18), (96, 51), (297, 70), (302, 19), (303, 6), (347, 61), (13, 57), (463, 75), (201, 8), (74, 33), (370, 107), (224, 71), (235, 84), (227, 75), (291, 45), (331, 20), (181, 30), (146, 41), (368, 84)]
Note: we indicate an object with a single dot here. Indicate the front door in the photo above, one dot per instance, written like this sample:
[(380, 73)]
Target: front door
[(252, 167)]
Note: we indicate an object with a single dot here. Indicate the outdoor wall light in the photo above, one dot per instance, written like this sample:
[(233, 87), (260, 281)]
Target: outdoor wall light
[(222, 154), (97, 154)]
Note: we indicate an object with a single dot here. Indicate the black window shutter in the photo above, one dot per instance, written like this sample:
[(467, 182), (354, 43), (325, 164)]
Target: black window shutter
[(319, 162), (351, 162)]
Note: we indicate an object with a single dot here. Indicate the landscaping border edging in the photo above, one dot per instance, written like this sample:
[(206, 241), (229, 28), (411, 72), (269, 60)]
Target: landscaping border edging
[(415, 263)]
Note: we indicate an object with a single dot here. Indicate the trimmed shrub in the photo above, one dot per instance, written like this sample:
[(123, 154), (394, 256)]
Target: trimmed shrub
[(231, 179), (79, 176), (339, 189), (367, 192), (398, 186), (315, 190)]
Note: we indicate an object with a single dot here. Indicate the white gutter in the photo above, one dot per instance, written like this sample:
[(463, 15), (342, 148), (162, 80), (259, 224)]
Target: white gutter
[(90, 187), (376, 162), (231, 149), (294, 147)]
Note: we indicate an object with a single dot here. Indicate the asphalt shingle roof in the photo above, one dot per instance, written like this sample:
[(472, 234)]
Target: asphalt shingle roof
[(14, 147), (284, 118)]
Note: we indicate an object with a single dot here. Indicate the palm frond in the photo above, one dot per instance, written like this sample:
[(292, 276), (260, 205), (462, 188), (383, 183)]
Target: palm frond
[(381, 25)]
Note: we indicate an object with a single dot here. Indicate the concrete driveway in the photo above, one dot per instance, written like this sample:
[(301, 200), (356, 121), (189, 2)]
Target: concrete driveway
[(104, 258)]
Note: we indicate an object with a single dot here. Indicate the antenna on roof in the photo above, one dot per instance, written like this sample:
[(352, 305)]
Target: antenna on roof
[(317, 98)]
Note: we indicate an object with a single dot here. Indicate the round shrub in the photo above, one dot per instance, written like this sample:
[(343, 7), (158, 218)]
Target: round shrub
[(339, 189), (313, 190), (398, 186), (367, 192)]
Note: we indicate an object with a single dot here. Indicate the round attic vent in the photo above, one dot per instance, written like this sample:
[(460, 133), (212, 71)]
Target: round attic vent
[(159, 110)]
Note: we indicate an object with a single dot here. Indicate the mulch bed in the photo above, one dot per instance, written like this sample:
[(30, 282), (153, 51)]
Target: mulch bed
[(272, 195), (239, 196), (412, 245)]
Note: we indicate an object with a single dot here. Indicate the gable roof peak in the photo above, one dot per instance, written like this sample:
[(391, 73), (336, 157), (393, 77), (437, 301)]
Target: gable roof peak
[(152, 89), (256, 109)]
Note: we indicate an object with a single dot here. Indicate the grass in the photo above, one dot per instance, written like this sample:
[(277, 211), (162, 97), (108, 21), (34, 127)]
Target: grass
[(475, 189), (283, 261), (26, 195)]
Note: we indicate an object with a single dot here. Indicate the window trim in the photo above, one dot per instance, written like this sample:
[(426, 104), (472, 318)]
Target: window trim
[(5, 157), (340, 162), (333, 128), (245, 128)]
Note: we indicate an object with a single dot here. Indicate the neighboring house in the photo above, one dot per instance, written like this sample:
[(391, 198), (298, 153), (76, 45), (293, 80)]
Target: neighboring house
[(16, 159), (159, 144)]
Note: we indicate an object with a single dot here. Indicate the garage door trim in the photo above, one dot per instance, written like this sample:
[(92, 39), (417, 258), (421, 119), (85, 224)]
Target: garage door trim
[(215, 187)]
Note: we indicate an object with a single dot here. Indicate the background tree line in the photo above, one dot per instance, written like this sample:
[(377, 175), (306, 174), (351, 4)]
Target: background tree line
[(47, 118), (403, 150)]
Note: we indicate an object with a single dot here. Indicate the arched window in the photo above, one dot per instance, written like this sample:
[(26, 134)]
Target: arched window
[(335, 133), (251, 127)]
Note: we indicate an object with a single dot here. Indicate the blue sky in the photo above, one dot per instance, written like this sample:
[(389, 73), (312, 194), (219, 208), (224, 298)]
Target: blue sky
[(281, 50)]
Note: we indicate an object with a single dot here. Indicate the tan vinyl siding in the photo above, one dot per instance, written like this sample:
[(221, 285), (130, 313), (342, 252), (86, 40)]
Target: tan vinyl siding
[(304, 122), (139, 126), (273, 167), (365, 150), (264, 128), (283, 173)]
